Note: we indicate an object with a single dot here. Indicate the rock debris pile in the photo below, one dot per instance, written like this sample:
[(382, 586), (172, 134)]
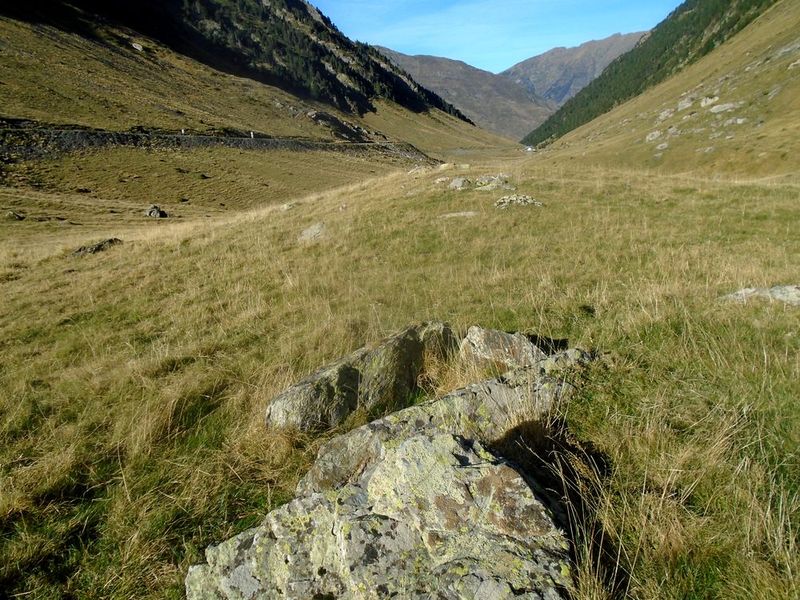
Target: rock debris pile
[(417, 504), (516, 200)]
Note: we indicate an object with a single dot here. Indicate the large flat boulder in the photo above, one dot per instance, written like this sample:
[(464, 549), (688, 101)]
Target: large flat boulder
[(489, 347)]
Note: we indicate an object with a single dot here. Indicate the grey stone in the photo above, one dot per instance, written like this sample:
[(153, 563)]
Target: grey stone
[(721, 108), (467, 214), (381, 378), (312, 233), (488, 347), (489, 183), (98, 247), (459, 183), (516, 200), (789, 294), (155, 212), (413, 505), (15, 216)]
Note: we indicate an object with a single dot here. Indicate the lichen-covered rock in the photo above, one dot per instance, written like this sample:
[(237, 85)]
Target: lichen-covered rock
[(789, 294), (488, 347), (381, 378), (414, 505)]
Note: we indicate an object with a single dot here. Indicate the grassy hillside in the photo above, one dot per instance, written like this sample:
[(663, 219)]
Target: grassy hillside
[(734, 112), (693, 30), (285, 43), (133, 382)]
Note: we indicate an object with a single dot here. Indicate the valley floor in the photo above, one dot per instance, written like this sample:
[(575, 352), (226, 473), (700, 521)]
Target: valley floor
[(133, 382)]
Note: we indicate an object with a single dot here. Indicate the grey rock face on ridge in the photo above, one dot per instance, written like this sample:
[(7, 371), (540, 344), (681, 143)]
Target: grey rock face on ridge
[(516, 200), (789, 294), (414, 505), (98, 247), (381, 378)]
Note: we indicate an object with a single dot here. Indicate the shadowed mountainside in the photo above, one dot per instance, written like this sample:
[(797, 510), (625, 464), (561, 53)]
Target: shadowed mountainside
[(284, 43)]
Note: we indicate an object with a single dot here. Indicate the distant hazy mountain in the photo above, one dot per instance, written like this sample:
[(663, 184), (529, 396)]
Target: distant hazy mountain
[(561, 73), (493, 102)]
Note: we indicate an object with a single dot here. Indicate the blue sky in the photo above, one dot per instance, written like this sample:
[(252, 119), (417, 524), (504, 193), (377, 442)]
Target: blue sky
[(490, 34)]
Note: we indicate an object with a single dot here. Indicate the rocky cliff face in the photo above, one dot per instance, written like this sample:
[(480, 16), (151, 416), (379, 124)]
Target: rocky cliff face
[(424, 502), (561, 73), (496, 103)]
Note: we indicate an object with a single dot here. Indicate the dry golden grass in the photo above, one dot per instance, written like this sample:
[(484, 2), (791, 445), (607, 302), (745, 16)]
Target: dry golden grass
[(134, 382)]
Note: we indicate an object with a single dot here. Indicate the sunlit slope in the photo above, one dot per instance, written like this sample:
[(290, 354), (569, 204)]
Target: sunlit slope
[(59, 77), (736, 111)]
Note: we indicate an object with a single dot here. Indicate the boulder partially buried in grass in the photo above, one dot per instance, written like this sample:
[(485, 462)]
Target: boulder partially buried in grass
[(418, 504), (380, 378)]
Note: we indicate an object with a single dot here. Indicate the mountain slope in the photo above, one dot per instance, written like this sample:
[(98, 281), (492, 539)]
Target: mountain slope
[(735, 111), (559, 74), (693, 30), (493, 102), (287, 43)]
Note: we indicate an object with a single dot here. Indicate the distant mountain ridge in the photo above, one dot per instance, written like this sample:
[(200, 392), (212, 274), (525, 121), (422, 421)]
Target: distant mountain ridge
[(529, 92), (495, 103), (286, 43), (690, 32), (559, 74)]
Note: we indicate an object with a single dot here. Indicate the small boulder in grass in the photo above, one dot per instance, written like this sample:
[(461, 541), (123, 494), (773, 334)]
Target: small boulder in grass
[(156, 212), (516, 200), (98, 247), (788, 294)]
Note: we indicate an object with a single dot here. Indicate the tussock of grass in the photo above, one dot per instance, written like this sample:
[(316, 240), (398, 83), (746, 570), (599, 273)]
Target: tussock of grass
[(134, 382)]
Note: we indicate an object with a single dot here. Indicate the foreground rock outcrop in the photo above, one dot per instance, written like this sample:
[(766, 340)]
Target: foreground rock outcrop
[(384, 377), (418, 504)]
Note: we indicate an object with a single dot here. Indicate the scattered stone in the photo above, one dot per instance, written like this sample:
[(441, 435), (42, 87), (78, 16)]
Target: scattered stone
[(155, 212), (653, 136), (735, 121), (98, 247), (685, 104), (15, 216), (287, 206), (441, 180), (460, 183), (205, 176), (84, 190), (467, 214), (416, 505), (515, 200), (488, 347), (184, 200), (494, 182), (721, 108), (708, 101), (384, 377), (137, 46), (662, 147), (774, 92), (419, 170), (665, 114), (794, 65), (789, 294), (312, 234)]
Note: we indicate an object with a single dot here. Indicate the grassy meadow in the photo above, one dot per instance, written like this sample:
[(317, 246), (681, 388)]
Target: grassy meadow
[(133, 382)]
